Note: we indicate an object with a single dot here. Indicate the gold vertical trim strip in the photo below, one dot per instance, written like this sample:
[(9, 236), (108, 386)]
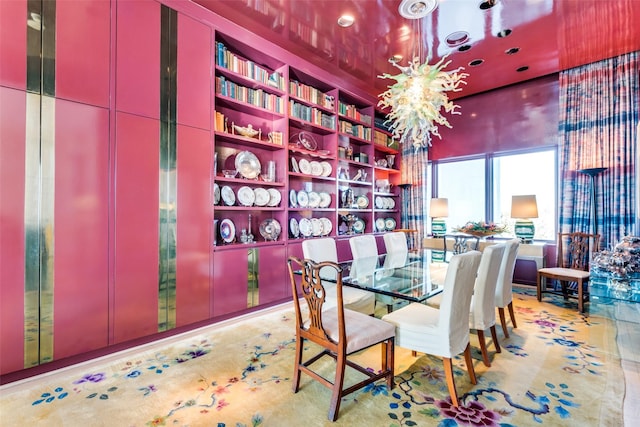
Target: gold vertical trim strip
[(168, 171), (34, 50), (252, 283), (32, 232)]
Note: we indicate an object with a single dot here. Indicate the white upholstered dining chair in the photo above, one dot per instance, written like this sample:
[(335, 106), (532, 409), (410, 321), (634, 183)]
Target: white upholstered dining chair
[(504, 289), (442, 332), (324, 249), (397, 249)]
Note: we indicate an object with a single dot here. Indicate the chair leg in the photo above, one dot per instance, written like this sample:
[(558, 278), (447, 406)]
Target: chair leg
[(494, 336), (295, 383), (503, 322), (336, 395), (389, 308), (469, 362), (512, 315), (483, 348), (580, 299), (451, 385), (539, 287), (388, 351)]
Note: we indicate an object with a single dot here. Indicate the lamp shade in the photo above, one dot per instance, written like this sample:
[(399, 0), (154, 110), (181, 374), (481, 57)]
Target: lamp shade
[(439, 208), (524, 206)]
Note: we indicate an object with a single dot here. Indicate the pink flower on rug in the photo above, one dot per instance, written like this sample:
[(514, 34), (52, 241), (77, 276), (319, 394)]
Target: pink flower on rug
[(472, 414), (433, 375), (221, 404), (545, 323)]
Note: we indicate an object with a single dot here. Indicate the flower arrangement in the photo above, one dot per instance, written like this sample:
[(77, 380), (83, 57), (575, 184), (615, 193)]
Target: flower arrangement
[(481, 228)]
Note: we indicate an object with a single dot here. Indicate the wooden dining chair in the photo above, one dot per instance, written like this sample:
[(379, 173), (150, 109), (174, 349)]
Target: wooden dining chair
[(504, 288), (574, 252), (338, 331), (442, 332)]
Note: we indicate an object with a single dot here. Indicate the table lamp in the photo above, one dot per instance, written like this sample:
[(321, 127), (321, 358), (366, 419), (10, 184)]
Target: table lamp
[(523, 208), (438, 211)]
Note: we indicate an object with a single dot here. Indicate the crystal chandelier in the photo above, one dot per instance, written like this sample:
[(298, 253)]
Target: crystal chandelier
[(419, 95)]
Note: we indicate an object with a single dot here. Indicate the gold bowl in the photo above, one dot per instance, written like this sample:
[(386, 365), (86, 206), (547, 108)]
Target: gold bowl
[(248, 131)]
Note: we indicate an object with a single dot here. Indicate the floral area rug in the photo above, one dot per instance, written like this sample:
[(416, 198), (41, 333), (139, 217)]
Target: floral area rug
[(557, 368)]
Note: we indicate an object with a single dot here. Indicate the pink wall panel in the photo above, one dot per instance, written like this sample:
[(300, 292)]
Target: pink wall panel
[(230, 269), (273, 279), (135, 310), (81, 298), (194, 217), (138, 58), (194, 73), (82, 51), (12, 244), (13, 44)]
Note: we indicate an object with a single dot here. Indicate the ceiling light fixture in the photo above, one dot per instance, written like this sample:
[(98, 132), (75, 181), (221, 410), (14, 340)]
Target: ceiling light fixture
[(419, 95), (346, 21)]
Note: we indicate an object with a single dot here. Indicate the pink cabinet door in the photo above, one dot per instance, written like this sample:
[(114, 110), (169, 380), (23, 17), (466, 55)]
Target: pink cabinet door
[(193, 73), (81, 209), (13, 44), (230, 269), (194, 218), (273, 278), (83, 42), (138, 57), (136, 244)]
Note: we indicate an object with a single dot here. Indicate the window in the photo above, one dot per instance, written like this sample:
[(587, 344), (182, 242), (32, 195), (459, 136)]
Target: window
[(463, 184)]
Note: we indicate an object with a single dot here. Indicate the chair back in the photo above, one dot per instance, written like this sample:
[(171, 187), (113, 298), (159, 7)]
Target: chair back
[(483, 309), (456, 300), (504, 288), (309, 285), (574, 249), (365, 255), (319, 250), (397, 249)]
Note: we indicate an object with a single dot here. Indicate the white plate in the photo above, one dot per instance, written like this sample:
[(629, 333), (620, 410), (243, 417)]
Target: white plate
[(326, 226), (314, 199), (303, 199), (326, 168), (274, 197), (362, 202), (227, 231), (228, 196), (305, 227), (305, 166), (294, 229), (262, 196), (392, 203), (316, 168), (294, 165), (316, 227), (390, 224), (293, 198), (325, 200), (379, 202), (246, 196), (380, 225), (216, 193), (358, 225), (247, 164)]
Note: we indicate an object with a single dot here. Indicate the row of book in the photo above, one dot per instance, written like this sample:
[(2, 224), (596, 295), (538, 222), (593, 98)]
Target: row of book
[(311, 94), (249, 69), (352, 111), (312, 115), (256, 97), (359, 131)]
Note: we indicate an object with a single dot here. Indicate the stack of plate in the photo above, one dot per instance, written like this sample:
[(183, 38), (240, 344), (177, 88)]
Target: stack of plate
[(247, 196), (310, 227)]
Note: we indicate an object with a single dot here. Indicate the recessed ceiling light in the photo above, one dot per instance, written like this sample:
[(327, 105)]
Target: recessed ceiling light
[(512, 50), (346, 21), (504, 33), (416, 9), (488, 4), (395, 59), (457, 38), (464, 47), (476, 62), (521, 69)]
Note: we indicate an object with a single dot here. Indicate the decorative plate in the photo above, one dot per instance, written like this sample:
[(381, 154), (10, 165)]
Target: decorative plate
[(305, 227), (379, 202), (392, 203), (314, 199), (307, 141), (362, 202), (293, 198), (270, 229), (326, 168), (216, 193), (228, 196), (316, 168), (316, 227), (325, 200), (303, 199), (262, 196), (246, 196), (390, 224), (380, 225), (227, 231), (358, 225), (294, 229), (274, 197), (326, 226), (294, 165), (305, 166), (247, 164)]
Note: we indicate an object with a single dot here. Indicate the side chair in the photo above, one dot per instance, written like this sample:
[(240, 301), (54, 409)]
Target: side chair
[(338, 331), (574, 256), (504, 288), (442, 332)]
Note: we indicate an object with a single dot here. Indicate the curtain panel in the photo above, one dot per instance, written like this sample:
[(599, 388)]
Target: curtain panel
[(598, 128), (414, 190)]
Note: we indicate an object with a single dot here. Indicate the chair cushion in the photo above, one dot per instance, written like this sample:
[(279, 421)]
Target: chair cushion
[(362, 331), (569, 273)]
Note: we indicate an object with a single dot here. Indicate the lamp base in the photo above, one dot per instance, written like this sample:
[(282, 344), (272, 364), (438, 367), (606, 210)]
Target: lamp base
[(438, 227), (524, 230)]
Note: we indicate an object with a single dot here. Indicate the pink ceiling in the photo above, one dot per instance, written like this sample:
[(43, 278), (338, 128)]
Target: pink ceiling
[(549, 35)]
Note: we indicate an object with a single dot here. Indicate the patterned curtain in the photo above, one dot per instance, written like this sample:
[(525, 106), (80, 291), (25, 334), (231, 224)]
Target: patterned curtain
[(414, 200), (598, 129)]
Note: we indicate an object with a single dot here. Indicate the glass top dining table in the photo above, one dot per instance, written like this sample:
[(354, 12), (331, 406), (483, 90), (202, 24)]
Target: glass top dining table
[(414, 277)]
